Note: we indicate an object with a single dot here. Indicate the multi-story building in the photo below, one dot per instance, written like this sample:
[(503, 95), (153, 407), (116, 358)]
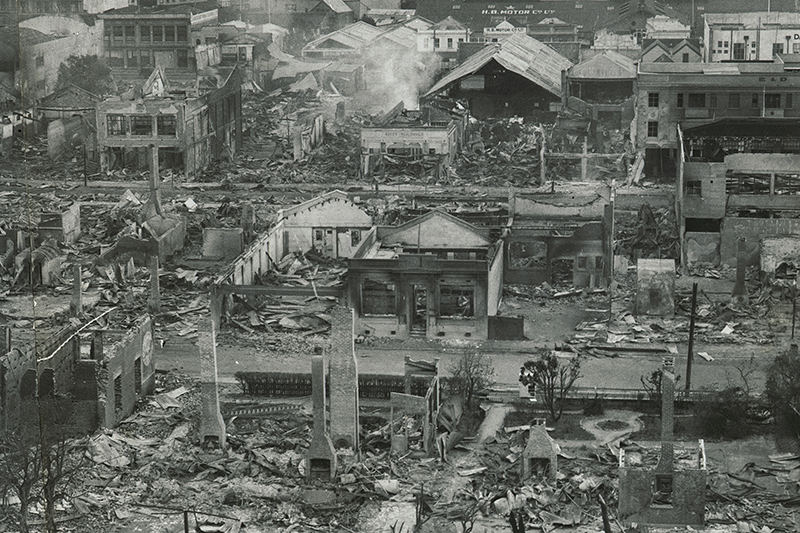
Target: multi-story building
[(750, 36), (138, 39), (189, 133), (693, 94)]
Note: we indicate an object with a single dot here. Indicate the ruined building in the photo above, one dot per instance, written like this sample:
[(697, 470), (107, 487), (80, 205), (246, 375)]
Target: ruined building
[(188, 132), (434, 276)]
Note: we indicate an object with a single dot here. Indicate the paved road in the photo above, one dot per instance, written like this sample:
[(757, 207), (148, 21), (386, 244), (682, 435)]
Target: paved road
[(622, 372)]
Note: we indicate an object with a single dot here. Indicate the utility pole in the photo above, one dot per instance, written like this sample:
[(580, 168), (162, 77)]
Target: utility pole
[(691, 339)]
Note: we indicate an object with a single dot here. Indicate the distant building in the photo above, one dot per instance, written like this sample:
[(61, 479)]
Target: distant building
[(694, 94), (601, 88), (444, 38), (664, 27), (517, 76), (400, 132), (671, 51), (755, 36), (138, 39), (44, 44)]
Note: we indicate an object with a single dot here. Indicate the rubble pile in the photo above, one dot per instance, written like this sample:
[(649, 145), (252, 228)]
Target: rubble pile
[(307, 270), (282, 314), (653, 234)]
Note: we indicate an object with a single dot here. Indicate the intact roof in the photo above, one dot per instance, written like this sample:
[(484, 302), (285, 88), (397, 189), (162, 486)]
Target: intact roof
[(450, 24), (353, 36), (163, 9), (755, 19), (670, 45), (520, 54), (609, 65), (337, 6), (400, 35), (309, 204), (747, 127)]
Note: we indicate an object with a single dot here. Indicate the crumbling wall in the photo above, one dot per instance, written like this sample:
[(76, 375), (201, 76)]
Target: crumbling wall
[(254, 261), (16, 362), (704, 190), (778, 250), (64, 227), (128, 373), (655, 287), (702, 247), (752, 230), (636, 498)]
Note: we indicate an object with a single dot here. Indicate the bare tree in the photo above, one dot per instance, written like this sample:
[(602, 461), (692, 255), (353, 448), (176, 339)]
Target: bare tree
[(20, 466), (472, 372), (552, 378)]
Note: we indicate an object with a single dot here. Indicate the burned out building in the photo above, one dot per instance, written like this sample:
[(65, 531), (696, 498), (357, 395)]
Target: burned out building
[(434, 276), (97, 387), (428, 134), (557, 238), (747, 196), (189, 132), (518, 76), (331, 225), (601, 88), (698, 94)]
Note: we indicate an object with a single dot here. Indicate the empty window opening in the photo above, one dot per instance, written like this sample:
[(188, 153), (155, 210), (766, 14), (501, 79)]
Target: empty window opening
[(118, 394), (662, 490), (419, 310), (532, 254), (456, 301), (561, 271), (137, 375), (703, 225), (694, 188), (697, 100), (378, 298)]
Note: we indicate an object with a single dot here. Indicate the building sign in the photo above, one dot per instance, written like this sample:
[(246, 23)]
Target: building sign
[(205, 16), (404, 134), (511, 10)]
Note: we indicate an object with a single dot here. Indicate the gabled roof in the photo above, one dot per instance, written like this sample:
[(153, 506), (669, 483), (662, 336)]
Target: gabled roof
[(609, 65), (353, 36), (314, 202), (337, 6), (520, 54), (663, 58), (449, 24), (445, 217), (399, 36), (70, 96)]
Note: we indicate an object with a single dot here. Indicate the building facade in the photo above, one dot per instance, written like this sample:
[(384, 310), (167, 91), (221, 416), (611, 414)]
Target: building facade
[(692, 94), (756, 36), (136, 40), (189, 133)]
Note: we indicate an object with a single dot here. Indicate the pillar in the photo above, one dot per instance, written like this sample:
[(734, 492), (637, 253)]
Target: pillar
[(76, 302), (212, 426), (154, 301), (155, 179), (666, 461), (344, 381), (739, 294)]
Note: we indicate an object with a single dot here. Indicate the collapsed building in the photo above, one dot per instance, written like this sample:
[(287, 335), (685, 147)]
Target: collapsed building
[(428, 138), (188, 132), (560, 237), (746, 196)]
